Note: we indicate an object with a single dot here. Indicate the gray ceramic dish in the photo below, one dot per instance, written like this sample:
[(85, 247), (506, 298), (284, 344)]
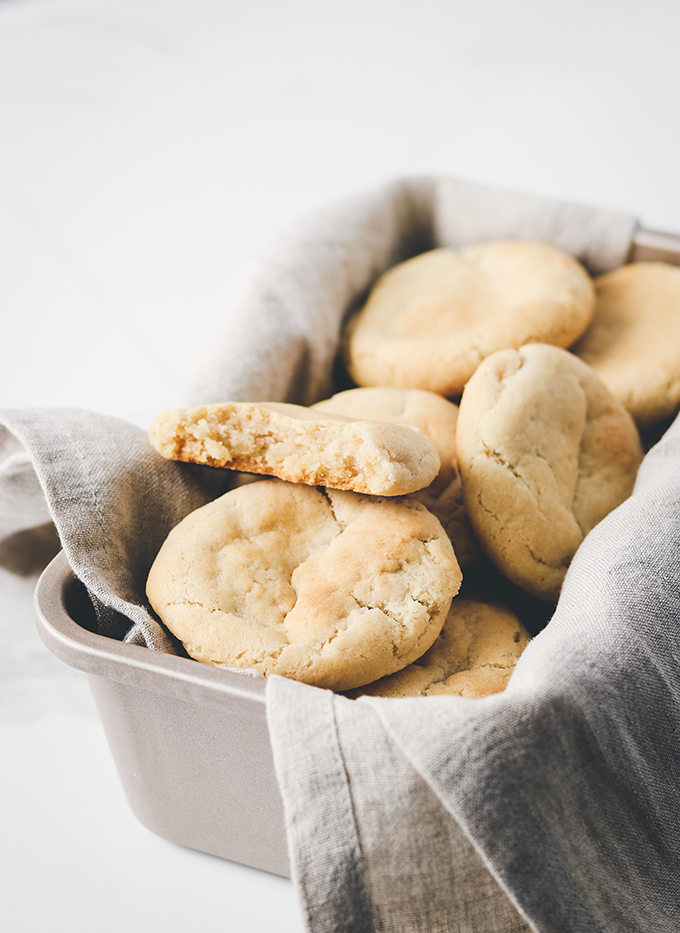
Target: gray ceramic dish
[(190, 742)]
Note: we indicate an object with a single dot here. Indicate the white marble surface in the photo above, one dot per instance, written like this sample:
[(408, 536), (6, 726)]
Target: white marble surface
[(147, 149)]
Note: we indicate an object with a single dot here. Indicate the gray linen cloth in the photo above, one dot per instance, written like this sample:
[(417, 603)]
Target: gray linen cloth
[(553, 806)]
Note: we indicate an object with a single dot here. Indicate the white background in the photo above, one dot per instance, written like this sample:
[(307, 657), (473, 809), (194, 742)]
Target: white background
[(147, 149)]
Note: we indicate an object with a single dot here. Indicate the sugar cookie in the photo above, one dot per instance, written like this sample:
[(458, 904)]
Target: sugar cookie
[(299, 445), (436, 418), (431, 320), (473, 656), (545, 451), (633, 343), (331, 588)]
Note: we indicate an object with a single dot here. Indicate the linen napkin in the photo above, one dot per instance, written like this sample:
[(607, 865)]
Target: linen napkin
[(552, 806), (567, 785)]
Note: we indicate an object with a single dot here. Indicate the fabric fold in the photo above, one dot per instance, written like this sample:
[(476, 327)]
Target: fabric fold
[(372, 847), (284, 315), (568, 783), (113, 501)]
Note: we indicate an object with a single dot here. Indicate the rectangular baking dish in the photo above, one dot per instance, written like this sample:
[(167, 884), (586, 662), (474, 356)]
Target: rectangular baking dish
[(190, 741)]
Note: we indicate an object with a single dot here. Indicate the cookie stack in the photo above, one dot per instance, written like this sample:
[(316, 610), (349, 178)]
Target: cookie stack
[(491, 426)]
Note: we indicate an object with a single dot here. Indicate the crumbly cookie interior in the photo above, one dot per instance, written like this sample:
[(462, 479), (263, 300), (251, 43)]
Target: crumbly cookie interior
[(299, 445)]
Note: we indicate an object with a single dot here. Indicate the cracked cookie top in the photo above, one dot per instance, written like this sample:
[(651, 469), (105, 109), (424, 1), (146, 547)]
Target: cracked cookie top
[(329, 587), (299, 445), (545, 452), (431, 320), (473, 656)]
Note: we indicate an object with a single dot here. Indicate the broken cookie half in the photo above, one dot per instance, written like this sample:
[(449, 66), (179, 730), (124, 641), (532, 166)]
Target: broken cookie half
[(299, 445)]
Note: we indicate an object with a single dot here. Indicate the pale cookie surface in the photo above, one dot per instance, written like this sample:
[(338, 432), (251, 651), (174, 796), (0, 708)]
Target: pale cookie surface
[(299, 445), (633, 342), (545, 451), (328, 587), (431, 320), (436, 418), (474, 656)]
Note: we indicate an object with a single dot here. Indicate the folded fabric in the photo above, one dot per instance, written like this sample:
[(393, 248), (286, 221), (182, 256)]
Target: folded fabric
[(567, 784), (281, 334), (113, 500), (552, 806)]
